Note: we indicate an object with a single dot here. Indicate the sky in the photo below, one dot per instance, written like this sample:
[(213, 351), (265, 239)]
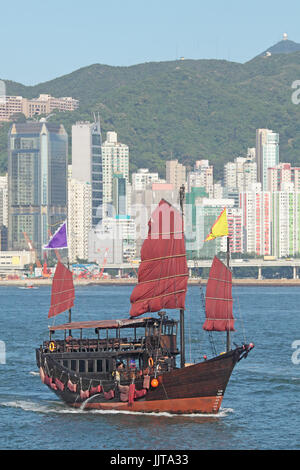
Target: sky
[(44, 40)]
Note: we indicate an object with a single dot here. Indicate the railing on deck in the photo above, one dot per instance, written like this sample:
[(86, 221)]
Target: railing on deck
[(94, 345)]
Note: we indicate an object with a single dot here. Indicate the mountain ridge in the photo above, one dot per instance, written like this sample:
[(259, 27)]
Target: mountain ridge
[(185, 109)]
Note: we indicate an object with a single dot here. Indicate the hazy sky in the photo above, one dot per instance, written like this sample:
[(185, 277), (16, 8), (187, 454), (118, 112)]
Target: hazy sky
[(44, 40)]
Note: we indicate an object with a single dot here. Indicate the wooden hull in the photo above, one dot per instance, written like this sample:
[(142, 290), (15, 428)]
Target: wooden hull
[(206, 405), (197, 388)]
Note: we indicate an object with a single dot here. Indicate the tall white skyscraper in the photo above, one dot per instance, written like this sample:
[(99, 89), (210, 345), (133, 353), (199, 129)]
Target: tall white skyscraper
[(115, 159), (87, 162), (79, 218), (267, 154)]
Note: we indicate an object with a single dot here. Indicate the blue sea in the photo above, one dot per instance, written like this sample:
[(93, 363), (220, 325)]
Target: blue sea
[(260, 409)]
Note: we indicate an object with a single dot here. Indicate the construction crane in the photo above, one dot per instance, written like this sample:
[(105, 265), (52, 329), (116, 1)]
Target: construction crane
[(33, 250), (104, 263)]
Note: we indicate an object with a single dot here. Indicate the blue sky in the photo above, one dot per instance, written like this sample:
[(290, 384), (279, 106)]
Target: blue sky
[(43, 40)]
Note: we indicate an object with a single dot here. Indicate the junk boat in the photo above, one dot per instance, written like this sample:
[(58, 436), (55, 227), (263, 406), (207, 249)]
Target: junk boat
[(137, 364)]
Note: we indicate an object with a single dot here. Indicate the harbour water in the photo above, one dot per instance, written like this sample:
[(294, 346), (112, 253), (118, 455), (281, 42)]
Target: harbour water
[(260, 409)]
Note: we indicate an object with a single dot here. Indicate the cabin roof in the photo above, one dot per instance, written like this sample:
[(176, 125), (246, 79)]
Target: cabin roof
[(103, 324)]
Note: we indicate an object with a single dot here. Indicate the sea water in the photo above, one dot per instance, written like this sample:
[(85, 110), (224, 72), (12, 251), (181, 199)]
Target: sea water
[(260, 409)]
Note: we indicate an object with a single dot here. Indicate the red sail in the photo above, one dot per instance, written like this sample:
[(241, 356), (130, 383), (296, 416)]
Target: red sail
[(63, 293), (218, 303), (163, 272)]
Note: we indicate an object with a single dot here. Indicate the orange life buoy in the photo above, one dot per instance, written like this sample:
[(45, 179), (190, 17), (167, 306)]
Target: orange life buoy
[(154, 383), (150, 362), (52, 346)]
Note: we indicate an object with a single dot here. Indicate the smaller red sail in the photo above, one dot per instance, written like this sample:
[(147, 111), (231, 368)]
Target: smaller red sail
[(62, 293), (218, 298)]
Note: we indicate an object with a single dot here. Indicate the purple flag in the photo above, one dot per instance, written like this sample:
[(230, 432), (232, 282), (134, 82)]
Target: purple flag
[(59, 239)]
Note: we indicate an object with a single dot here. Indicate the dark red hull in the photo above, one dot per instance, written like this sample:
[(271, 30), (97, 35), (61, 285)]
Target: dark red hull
[(197, 388)]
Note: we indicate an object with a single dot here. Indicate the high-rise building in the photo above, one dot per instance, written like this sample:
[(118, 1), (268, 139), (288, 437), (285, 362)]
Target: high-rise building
[(4, 200), (115, 160), (37, 182), (142, 178), (119, 195), (175, 174), (201, 177), (3, 238), (285, 223), (267, 154), (240, 174), (79, 218), (256, 206), (284, 177), (87, 163), (235, 231)]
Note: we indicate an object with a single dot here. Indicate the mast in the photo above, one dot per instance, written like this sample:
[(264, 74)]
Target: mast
[(228, 265), (70, 310), (182, 338)]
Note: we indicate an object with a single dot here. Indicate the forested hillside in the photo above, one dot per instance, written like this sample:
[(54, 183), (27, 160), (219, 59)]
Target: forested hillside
[(186, 109)]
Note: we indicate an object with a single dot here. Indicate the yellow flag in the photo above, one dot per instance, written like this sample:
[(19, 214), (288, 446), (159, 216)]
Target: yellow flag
[(220, 227)]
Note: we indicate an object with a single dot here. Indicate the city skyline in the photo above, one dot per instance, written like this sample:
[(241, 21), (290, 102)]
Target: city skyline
[(261, 194)]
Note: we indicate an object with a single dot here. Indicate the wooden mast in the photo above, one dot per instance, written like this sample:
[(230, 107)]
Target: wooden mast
[(228, 263), (70, 310), (182, 339)]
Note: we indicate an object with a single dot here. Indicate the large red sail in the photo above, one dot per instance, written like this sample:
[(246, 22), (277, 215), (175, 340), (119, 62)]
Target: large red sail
[(218, 302), (163, 272), (62, 293)]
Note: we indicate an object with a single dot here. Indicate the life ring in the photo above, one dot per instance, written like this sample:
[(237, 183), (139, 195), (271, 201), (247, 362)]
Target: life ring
[(52, 346), (154, 383), (150, 362)]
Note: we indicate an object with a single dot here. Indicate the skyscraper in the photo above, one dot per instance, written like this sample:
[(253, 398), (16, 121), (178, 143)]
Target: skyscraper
[(37, 182), (3, 201), (267, 154), (175, 173), (87, 162), (119, 195), (79, 218), (115, 158)]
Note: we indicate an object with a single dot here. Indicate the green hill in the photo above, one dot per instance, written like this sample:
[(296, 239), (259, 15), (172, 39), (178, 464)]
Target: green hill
[(186, 109)]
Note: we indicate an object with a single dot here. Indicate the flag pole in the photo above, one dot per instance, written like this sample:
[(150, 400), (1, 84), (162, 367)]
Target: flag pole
[(68, 263), (182, 338)]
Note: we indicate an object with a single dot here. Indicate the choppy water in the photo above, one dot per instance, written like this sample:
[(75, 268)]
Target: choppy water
[(260, 409)]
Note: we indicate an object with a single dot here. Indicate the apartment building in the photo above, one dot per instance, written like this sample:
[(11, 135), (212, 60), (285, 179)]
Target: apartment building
[(256, 207), (175, 174), (44, 104), (201, 177)]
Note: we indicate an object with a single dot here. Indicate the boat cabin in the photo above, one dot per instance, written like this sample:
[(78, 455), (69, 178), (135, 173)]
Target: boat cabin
[(127, 345)]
